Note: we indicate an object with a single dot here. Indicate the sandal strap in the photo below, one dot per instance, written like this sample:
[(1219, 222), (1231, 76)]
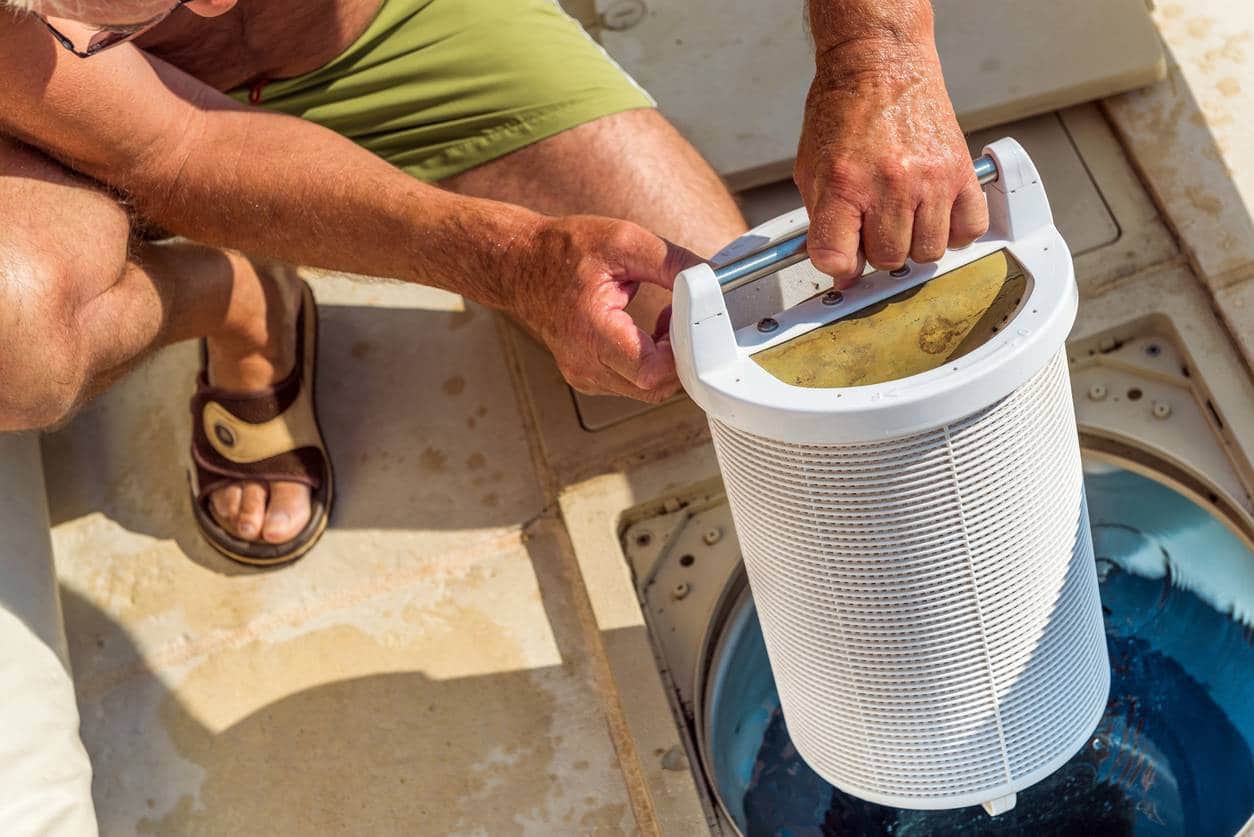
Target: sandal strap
[(264, 435)]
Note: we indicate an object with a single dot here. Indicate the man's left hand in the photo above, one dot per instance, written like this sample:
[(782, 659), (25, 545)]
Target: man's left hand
[(883, 166)]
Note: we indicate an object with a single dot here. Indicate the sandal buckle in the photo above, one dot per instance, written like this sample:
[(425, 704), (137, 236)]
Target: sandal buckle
[(224, 434)]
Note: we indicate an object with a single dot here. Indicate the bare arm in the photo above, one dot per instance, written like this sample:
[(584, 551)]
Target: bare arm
[(203, 166), (882, 164), (200, 165)]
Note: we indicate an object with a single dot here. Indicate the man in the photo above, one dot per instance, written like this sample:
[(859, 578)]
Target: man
[(114, 120)]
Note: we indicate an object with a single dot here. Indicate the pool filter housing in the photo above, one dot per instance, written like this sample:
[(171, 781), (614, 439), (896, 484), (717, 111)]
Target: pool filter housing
[(918, 548)]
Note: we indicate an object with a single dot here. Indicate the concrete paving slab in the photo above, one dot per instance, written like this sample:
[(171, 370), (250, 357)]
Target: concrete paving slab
[(421, 671), (1236, 306), (596, 512), (574, 450), (746, 117), (1189, 134)]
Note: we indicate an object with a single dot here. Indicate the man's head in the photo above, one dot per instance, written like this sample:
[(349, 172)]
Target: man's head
[(86, 27), (116, 11)]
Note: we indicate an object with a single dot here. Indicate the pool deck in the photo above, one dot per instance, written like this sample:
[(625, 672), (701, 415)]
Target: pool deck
[(463, 653)]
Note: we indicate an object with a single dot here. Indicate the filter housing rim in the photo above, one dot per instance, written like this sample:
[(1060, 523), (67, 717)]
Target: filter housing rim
[(716, 368)]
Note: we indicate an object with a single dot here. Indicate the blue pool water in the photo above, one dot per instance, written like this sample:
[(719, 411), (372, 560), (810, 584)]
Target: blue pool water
[(1172, 754)]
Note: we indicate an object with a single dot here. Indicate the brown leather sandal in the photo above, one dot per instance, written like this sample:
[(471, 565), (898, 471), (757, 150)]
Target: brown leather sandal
[(267, 435)]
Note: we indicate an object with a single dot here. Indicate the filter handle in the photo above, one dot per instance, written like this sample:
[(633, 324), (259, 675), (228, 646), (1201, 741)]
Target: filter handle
[(781, 254)]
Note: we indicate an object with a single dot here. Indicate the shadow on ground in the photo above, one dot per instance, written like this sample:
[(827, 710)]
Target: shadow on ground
[(331, 729)]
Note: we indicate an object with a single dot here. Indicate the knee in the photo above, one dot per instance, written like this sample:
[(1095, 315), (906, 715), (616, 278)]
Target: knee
[(42, 366)]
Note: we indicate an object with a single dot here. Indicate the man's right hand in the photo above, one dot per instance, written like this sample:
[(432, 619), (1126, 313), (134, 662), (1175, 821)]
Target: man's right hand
[(571, 284)]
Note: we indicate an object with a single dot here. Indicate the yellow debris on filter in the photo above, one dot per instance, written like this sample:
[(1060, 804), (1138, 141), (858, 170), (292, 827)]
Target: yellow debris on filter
[(913, 332)]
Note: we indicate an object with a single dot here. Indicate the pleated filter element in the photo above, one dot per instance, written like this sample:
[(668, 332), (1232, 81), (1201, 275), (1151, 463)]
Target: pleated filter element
[(917, 546)]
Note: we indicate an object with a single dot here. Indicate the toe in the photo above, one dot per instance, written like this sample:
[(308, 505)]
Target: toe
[(252, 511), (288, 512), (224, 505)]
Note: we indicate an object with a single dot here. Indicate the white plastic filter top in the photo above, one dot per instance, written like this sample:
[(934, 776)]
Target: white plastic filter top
[(919, 549)]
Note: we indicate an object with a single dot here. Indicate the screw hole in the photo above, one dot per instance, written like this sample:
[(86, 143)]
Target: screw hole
[(644, 539), (1134, 394), (686, 560)]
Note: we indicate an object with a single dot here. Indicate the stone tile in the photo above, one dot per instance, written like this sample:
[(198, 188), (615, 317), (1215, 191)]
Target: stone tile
[(733, 76), (1189, 134), (419, 672), (596, 512), (632, 433), (1236, 306)]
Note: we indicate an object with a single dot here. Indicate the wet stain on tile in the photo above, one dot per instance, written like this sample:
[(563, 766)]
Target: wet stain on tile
[(1203, 201), (454, 385), (1229, 86), (433, 460)]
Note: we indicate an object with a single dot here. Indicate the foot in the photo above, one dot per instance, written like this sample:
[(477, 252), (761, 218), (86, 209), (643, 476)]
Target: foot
[(256, 349)]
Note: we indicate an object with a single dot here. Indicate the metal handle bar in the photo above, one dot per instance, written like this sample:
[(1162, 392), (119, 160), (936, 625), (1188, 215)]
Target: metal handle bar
[(781, 254)]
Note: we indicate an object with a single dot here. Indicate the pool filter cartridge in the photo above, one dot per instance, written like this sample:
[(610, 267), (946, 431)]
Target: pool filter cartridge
[(903, 470)]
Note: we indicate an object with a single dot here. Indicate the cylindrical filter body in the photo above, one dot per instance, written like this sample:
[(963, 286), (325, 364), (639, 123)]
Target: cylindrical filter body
[(929, 603), (919, 549)]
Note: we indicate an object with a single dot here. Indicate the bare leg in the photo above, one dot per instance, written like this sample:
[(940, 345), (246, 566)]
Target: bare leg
[(77, 309), (632, 165)]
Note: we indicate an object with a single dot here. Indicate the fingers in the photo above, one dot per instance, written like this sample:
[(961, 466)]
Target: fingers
[(662, 327), (624, 360), (969, 218), (833, 241), (649, 258), (643, 364), (890, 231), (635, 363), (886, 237), (889, 208), (931, 231), (599, 265)]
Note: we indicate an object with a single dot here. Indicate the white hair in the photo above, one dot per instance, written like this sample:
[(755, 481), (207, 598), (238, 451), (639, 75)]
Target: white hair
[(75, 9)]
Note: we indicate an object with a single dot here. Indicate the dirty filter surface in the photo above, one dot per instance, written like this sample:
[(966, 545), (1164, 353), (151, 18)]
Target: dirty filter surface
[(1172, 754), (909, 333)]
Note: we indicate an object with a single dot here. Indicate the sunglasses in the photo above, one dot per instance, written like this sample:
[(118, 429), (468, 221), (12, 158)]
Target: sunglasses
[(85, 40)]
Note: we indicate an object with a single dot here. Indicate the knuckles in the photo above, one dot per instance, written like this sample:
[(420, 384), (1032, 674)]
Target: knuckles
[(928, 252), (622, 236)]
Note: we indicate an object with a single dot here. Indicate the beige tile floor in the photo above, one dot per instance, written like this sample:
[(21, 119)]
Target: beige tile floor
[(424, 671), (1190, 134)]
